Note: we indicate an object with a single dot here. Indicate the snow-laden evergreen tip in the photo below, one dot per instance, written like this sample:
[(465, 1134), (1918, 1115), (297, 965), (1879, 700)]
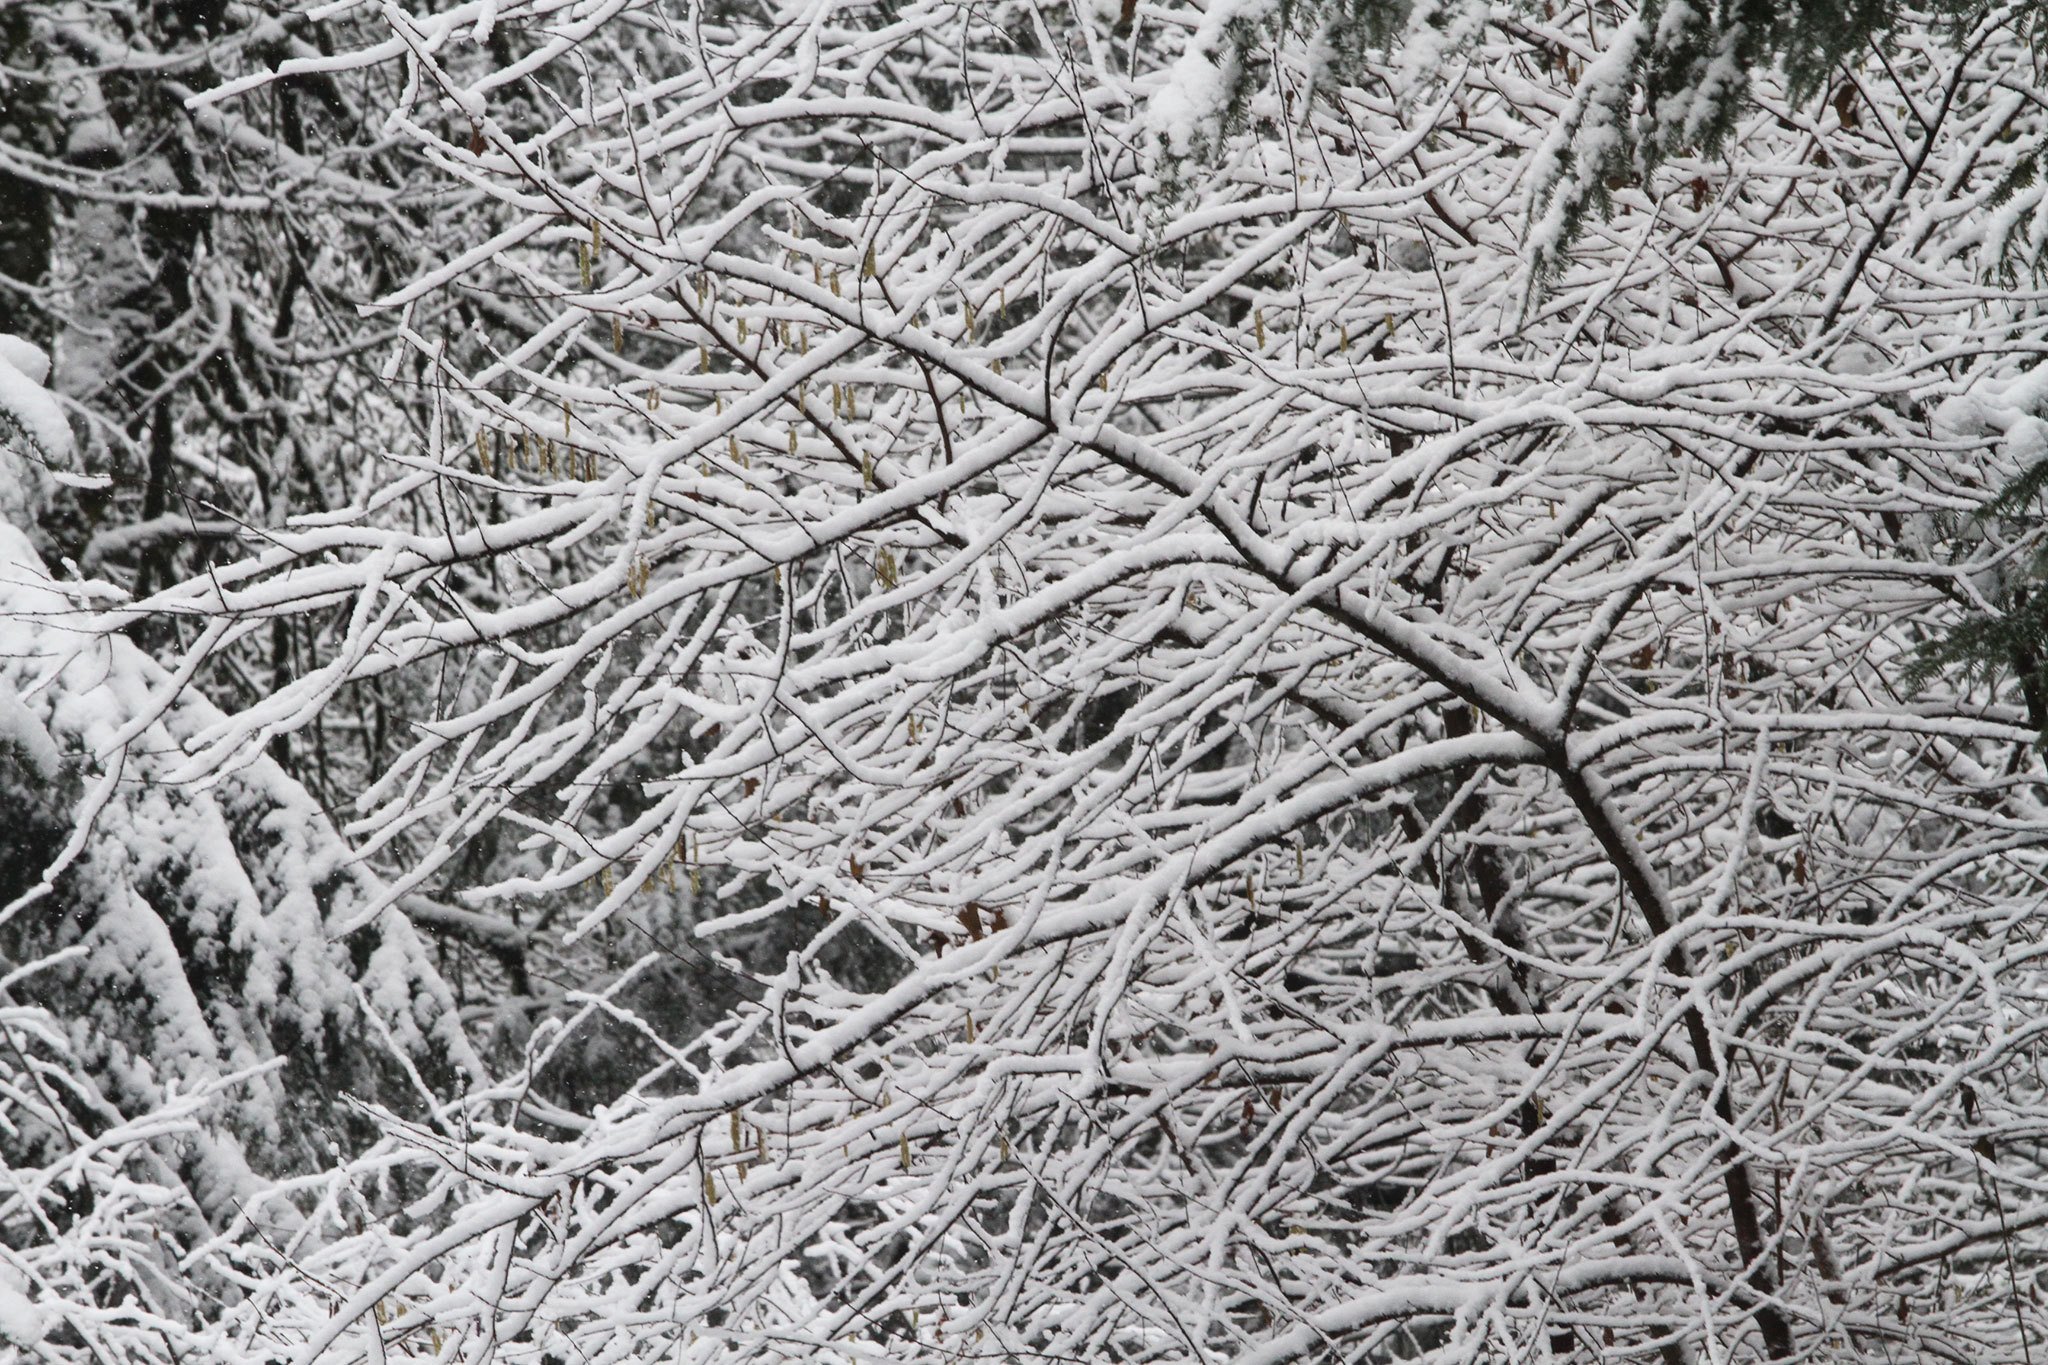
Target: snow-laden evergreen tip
[(181, 1021)]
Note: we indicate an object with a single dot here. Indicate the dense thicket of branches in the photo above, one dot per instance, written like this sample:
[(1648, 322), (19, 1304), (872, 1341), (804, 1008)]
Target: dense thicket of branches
[(1223, 683)]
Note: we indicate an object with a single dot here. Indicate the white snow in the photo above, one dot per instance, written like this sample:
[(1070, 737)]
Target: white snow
[(1183, 112), (21, 1322)]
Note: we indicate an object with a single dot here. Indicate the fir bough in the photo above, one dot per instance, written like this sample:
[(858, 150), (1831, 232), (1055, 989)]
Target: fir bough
[(1985, 646)]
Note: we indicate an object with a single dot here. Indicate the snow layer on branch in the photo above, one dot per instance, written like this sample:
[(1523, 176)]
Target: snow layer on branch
[(22, 1324), (33, 432), (1185, 112), (1565, 172), (1353, 778), (206, 912), (2013, 409), (1684, 115)]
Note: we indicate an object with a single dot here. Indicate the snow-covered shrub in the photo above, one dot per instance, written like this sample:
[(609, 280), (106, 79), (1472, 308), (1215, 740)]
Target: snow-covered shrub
[(1350, 703)]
